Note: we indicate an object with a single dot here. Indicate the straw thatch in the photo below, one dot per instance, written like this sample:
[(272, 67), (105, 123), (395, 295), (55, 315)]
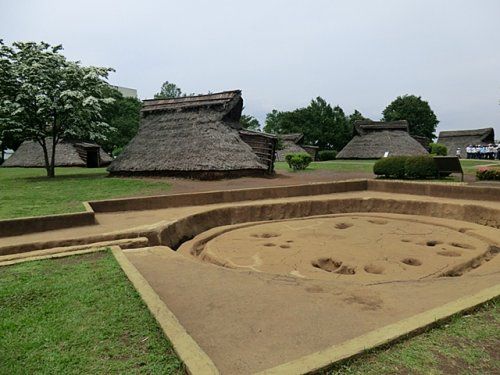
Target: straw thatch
[(194, 136), (292, 143), (373, 139), (68, 154), (462, 138)]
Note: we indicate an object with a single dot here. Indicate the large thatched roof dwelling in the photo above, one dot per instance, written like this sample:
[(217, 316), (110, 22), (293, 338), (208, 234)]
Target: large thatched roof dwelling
[(462, 138), (292, 143), (373, 139), (194, 136), (68, 154)]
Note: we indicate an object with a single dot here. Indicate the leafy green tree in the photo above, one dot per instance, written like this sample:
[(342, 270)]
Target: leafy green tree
[(169, 90), (249, 122), (421, 118), (51, 98), (356, 116), (323, 125), (123, 116)]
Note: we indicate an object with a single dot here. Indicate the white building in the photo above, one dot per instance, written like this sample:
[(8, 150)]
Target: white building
[(126, 91)]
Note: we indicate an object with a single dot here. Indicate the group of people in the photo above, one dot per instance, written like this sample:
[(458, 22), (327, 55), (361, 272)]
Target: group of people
[(490, 152)]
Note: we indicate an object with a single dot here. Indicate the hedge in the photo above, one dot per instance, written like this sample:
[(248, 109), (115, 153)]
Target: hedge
[(391, 167), (327, 155), (420, 167), (298, 161)]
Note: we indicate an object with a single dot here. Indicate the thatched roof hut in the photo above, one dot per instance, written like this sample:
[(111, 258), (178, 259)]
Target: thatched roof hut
[(373, 139), (289, 144), (193, 136), (292, 143), (462, 138), (68, 154)]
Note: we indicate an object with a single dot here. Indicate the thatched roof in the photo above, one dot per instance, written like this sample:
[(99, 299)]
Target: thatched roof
[(462, 138), (293, 137), (68, 154), (372, 139), (291, 145), (193, 136)]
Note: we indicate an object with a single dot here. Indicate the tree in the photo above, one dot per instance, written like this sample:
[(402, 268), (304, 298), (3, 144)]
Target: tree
[(123, 116), (169, 90), (356, 116), (322, 126), (51, 98), (421, 119), (249, 123)]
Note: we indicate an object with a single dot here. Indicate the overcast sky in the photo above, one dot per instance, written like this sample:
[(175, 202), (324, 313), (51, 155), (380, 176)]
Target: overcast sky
[(357, 54)]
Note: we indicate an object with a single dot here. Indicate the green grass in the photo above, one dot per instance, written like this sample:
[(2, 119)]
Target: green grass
[(27, 192), (465, 345), (77, 315), (468, 166)]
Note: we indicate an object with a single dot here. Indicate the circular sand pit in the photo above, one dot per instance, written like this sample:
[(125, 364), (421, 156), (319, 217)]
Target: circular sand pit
[(346, 247)]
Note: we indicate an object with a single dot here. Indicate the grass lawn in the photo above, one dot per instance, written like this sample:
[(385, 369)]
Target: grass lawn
[(27, 192), (466, 345), (468, 166), (78, 315)]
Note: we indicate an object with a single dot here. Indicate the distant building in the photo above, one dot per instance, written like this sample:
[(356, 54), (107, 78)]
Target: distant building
[(126, 92)]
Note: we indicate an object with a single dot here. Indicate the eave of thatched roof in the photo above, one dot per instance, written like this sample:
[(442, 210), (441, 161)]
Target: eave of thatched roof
[(187, 136), (186, 102), (460, 139), (483, 133), (30, 155), (362, 127), (372, 141), (293, 137)]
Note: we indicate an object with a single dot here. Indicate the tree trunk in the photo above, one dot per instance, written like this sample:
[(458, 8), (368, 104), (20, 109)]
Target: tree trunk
[(52, 170), (46, 158)]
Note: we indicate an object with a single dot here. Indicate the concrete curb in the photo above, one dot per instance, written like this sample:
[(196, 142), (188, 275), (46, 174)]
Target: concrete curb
[(194, 358), (325, 358), (52, 256)]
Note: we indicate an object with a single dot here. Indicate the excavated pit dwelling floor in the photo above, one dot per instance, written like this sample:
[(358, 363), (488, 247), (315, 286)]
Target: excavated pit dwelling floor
[(257, 295)]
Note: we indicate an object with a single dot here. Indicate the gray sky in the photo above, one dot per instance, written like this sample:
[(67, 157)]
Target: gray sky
[(360, 54)]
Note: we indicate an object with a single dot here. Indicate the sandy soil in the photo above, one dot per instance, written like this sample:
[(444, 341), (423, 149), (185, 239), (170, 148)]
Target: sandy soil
[(349, 247)]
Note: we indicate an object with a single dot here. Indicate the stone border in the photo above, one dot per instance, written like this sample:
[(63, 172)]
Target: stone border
[(325, 358), (226, 196), (52, 256), (193, 357), (34, 224)]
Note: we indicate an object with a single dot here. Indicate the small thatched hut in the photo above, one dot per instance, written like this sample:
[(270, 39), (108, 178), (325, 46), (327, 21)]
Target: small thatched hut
[(292, 143), (68, 154), (373, 139), (193, 136), (462, 138)]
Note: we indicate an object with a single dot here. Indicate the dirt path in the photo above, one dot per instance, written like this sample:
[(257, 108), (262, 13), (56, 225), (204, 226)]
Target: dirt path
[(181, 185)]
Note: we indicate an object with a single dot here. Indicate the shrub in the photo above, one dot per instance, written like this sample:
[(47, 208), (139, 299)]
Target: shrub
[(438, 149), (420, 167), (486, 173), (298, 161), (391, 167), (327, 155)]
